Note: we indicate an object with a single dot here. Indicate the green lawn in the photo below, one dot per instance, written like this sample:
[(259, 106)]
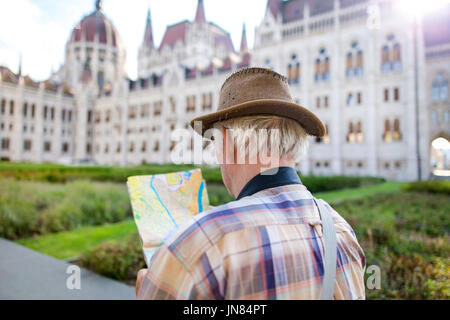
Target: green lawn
[(71, 244)]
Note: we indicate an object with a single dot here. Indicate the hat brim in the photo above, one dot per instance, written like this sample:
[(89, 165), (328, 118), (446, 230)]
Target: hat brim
[(308, 120)]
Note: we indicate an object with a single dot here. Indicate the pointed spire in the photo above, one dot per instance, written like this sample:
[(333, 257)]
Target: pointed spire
[(98, 4), (244, 46), (274, 7), (20, 65), (200, 14), (148, 35)]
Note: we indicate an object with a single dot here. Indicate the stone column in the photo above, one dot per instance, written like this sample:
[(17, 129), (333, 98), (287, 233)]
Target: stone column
[(335, 112), (17, 137), (372, 125), (56, 139), (306, 75), (39, 125)]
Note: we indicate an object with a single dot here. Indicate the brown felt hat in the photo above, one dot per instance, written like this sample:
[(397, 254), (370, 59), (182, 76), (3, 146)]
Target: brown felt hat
[(259, 91)]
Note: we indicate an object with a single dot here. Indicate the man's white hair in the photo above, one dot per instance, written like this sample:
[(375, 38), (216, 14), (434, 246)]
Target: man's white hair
[(287, 136)]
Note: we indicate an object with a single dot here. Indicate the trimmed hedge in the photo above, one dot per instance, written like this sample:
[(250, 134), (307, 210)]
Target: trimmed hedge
[(431, 186), (59, 173), (331, 183)]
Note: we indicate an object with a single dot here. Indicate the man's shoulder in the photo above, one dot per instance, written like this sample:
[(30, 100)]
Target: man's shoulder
[(201, 224), (205, 229)]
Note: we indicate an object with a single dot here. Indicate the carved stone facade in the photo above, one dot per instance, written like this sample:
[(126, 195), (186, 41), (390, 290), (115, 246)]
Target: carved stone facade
[(353, 62)]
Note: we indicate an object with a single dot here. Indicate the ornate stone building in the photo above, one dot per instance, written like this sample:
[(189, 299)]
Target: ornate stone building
[(362, 66)]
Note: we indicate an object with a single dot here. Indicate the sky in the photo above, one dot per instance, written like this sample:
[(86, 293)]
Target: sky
[(38, 30)]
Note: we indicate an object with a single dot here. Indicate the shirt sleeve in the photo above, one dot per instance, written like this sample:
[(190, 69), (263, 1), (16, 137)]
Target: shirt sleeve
[(167, 279)]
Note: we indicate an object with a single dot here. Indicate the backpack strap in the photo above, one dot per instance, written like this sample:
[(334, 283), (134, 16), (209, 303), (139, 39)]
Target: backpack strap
[(330, 247)]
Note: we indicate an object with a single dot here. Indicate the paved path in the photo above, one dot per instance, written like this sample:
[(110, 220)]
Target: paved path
[(27, 274)]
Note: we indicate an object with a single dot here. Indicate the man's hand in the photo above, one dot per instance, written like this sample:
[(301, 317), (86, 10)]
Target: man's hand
[(140, 278)]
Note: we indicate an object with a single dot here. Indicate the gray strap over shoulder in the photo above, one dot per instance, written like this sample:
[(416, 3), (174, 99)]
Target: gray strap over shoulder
[(330, 243)]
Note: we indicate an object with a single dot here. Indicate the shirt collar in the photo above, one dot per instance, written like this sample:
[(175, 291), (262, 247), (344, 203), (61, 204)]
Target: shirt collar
[(265, 180)]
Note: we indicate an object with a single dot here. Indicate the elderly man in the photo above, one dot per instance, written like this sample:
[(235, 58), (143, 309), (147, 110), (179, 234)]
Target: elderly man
[(276, 241)]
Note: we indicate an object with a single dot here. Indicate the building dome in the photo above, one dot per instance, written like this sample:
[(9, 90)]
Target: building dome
[(95, 27)]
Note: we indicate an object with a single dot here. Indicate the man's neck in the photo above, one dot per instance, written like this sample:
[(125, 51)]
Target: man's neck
[(245, 172)]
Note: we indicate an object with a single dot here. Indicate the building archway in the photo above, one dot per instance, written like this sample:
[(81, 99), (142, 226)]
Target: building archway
[(440, 156)]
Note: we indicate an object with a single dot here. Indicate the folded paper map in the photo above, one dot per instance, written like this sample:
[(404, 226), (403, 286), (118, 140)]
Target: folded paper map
[(163, 202)]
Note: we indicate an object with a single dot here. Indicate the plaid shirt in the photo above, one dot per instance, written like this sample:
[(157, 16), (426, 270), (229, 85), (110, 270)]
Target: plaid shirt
[(264, 246)]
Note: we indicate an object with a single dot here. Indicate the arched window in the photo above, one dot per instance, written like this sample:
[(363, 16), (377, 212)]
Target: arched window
[(351, 133), (326, 138), (387, 137), (318, 73), (396, 58), (385, 63), (326, 71), (3, 107), (439, 91), (349, 70), (436, 89), (391, 58), (444, 90), (354, 65), (156, 146), (322, 66), (297, 76), (11, 108), (359, 133), (397, 134), (100, 80), (290, 73), (349, 60), (294, 70), (359, 63), (350, 100), (25, 109)]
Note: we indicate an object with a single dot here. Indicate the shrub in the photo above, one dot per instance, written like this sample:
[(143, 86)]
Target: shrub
[(86, 204), (116, 260), (406, 235), (431, 186), (28, 208), (413, 277), (19, 209)]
